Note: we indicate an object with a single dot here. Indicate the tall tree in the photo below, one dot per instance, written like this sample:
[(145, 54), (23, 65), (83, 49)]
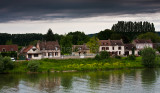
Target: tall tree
[(104, 35), (66, 45), (50, 36), (93, 44)]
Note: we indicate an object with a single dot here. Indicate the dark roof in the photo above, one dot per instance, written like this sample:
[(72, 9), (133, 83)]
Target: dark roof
[(48, 45), (129, 46), (8, 48), (110, 42), (142, 41)]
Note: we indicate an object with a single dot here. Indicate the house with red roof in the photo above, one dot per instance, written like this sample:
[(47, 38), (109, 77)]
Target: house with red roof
[(142, 43), (80, 50), (8, 48), (114, 47), (31, 52)]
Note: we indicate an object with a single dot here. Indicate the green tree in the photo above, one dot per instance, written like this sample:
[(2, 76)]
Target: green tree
[(33, 42), (155, 38), (93, 44), (66, 45), (9, 42), (104, 35), (115, 36), (49, 36), (148, 57), (33, 66), (104, 55)]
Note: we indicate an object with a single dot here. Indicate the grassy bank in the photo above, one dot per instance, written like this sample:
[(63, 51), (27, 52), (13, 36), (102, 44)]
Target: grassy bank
[(51, 65)]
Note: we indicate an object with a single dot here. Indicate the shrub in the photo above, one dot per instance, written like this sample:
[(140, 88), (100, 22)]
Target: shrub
[(131, 57), (97, 57), (118, 57), (8, 63), (104, 55), (148, 57), (1, 64), (33, 66)]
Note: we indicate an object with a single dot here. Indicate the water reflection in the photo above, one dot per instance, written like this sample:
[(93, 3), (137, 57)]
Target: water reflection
[(139, 80)]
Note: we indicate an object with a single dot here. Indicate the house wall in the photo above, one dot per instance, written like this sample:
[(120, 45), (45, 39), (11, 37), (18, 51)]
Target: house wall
[(32, 53), (143, 45), (45, 53), (115, 49), (33, 57)]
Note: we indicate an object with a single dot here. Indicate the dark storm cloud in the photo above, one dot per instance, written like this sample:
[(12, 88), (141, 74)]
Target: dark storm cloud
[(12, 10)]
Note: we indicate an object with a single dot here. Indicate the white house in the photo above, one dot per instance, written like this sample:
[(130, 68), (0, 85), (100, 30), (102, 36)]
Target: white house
[(141, 44), (31, 52), (114, 47)]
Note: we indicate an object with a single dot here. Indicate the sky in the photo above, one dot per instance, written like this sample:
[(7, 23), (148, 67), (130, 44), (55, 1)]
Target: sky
[(63, 16)]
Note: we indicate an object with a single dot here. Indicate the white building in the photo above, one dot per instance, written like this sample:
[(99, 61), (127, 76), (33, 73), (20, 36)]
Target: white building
[(141, 44), (114, 47)]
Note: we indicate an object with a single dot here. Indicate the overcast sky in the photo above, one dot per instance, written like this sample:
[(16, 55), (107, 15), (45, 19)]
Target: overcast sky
[(63, 16)]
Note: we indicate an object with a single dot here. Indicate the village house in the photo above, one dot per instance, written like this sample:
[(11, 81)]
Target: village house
[(114, 47), (31, 52), (49, 49), (79, 50), (8, 48), (141, 43), (130, 49)]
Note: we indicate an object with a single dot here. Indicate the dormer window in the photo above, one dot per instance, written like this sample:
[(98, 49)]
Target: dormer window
[(56, 48), (34, 49), (3, 50)]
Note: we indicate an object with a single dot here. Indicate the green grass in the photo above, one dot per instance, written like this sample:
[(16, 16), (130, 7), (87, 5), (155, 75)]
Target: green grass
[(50, 65)]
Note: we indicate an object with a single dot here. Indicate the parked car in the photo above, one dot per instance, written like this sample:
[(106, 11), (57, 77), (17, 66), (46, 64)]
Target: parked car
[(13, 59)]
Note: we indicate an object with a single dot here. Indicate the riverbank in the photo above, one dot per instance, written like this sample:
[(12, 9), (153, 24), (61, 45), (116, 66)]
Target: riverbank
[(69, 65)]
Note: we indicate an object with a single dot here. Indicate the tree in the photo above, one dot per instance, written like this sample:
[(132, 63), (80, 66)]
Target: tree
[(9, 42), (115, 36), (104, 35), (148, 57), (155, 38), (49, 36), (93, 44), (66, 45), (78, 38)]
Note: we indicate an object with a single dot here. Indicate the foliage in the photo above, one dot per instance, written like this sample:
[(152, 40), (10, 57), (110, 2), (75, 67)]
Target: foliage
[(97, 57), (104, 55), (104, 35), (66, 45), (131, 57), (1, 64), (118, 57), (8, 63), (148, 57), (33, 66), (78, 38), (50, 36), (9, 42), (33, 42), (116, 36), (93, 44), (150, 35), (10, 54)]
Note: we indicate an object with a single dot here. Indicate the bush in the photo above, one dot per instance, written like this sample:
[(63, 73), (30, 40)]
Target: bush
[(118, 57), (33, 66), (97, 57), (131, 57), (148, 57), (104, 55), (1, 64), (8, 63)]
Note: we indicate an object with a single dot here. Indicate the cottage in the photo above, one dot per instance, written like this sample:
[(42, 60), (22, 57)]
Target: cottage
[(130, 49), (80, 50), (49, 49), (31, 52), (8, 48), (141, 43), (114, 47)]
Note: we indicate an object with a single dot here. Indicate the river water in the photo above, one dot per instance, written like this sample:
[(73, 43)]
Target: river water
[(113, 81)]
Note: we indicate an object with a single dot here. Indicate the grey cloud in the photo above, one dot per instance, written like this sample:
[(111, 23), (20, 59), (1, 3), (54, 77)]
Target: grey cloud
[(12, 10)]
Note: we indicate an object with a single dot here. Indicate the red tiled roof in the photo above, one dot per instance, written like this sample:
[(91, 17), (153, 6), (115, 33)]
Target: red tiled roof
[(142, 41), (8, 48), (83, 47), (110, 42), (27, 49)]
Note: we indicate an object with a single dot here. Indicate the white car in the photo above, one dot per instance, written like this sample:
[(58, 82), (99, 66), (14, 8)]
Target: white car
[(13, 59)]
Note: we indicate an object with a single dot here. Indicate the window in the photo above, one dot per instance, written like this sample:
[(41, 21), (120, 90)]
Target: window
[(3, 50), (29, 55), (119, 52), (34, 49), (107, 48), (103, 48), (35, 55), (119, 48), (44, 54), (112, 48), (56, 53), (56, 48)]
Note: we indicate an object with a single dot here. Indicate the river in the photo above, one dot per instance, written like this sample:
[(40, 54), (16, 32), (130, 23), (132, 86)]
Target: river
[(113, 81)]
